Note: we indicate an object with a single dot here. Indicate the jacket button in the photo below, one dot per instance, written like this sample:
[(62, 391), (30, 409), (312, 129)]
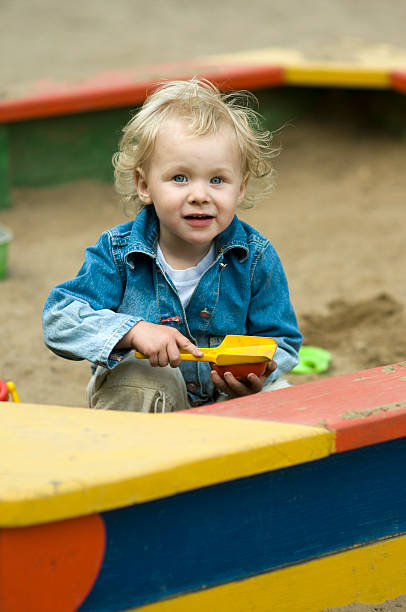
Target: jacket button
[(191, 386), (205, 313)]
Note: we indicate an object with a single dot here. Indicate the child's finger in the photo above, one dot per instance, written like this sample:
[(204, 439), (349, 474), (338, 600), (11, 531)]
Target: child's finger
[(229, 385), (153, 360), (219, 383), (158, 358), (163, 358), (173, 355), (271, 367), (256, 383), (188, 346), (237, 387)]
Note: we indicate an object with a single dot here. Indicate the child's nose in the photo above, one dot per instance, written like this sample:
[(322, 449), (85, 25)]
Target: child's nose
[(198, 193)]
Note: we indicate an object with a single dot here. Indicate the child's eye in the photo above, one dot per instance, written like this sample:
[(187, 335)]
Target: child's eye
[(180, 178), (216, 180)]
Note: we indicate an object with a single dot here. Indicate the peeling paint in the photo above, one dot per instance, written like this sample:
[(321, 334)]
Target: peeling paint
[(388, 369), (361, 378), (359, 414)]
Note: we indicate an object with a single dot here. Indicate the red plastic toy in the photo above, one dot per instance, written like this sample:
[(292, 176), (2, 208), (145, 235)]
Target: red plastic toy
[(240, 370)]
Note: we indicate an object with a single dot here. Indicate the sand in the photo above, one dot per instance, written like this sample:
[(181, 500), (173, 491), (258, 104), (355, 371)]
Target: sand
[(336, 216)]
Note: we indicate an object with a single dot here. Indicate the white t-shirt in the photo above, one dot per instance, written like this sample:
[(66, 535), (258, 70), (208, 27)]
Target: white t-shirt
[(186, 281)]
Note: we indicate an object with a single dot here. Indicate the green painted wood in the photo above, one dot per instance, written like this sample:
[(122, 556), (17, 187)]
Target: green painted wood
[(388, 113), (4, 168), (62, 149), (56, 150)]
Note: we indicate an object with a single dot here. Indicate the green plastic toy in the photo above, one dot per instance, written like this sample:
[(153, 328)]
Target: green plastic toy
[(312, 360)]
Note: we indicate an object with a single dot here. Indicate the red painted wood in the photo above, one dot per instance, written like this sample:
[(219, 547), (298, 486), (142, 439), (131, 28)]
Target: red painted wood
[(50, 567), (365, 407), (398, 80), (123, 88)]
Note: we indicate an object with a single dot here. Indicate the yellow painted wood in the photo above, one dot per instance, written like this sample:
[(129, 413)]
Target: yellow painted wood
[(58, 462), (371, 574), (337, 76), (345, 64)]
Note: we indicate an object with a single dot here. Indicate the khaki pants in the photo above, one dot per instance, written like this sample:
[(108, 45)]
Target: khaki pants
[(134, 385)]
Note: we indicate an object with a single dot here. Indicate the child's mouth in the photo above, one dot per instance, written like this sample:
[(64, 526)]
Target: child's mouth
[(198, 220)]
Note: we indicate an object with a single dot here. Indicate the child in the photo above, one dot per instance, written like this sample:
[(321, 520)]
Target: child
[(186, 272)]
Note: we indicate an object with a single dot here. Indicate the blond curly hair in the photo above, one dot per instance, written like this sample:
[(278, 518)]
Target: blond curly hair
[(206, 109)]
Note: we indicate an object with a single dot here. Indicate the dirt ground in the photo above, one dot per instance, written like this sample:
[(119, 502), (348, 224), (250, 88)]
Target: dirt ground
[(336, 217)]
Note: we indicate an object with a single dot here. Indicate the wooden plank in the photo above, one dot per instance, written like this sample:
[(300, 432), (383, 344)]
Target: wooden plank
[(366, 67), (399, 81), (337, 76), (125, 88), (59, 462), (234, 533), (50, 567), (363, 408), (31, 144), (368, 575), (4, 168), (234, 530), (84, 142), (357, 56), (76, 115)]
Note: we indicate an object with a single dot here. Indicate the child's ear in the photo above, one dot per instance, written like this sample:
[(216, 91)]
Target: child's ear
[(243, 188), (142, 186)]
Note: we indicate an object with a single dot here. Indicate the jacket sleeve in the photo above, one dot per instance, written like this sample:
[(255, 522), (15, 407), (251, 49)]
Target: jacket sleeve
[(80, 319), (271, 312)]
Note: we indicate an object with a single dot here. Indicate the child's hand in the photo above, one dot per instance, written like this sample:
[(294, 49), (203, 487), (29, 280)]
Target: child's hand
[(159, 343), (234, 388)]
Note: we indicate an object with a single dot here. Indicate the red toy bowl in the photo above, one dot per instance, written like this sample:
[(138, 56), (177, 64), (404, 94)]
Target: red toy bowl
[(240, 371)]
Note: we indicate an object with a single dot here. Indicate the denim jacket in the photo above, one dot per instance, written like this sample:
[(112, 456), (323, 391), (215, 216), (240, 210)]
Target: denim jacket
[(120, 283)]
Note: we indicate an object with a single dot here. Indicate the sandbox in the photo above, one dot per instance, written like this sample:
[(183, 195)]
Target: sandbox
[(345, 260)]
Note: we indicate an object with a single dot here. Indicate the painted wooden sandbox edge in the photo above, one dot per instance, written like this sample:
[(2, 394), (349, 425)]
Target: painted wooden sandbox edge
[(368, 574), (60, 462), (244, 544), (105, 460), (279, 459), (256, 69), (361, 408), (76, 113)]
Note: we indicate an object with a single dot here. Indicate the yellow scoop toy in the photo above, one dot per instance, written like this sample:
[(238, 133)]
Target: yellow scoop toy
[(233, 350)]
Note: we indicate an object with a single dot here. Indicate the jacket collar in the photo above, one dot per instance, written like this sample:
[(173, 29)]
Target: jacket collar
[(145, 232)]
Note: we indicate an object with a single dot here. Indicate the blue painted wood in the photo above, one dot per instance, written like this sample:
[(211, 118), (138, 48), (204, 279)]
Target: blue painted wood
[(229, 531)]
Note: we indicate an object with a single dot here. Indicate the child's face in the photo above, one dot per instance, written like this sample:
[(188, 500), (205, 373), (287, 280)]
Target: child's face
[(195, 184)]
